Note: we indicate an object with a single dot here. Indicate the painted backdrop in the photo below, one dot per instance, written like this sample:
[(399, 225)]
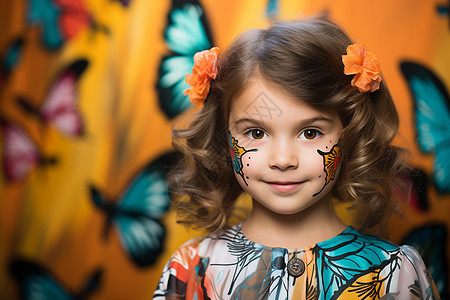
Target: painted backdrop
[(89, 90)]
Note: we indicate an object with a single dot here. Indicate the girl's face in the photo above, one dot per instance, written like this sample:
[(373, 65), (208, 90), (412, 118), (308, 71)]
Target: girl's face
[(285, 154)]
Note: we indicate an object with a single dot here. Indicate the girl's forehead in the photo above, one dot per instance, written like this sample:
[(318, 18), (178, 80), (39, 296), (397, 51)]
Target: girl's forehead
[(259, 94), (263, 102)]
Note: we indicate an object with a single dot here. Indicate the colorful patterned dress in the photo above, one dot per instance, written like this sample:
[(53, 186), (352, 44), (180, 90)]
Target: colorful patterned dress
[(348, 266)]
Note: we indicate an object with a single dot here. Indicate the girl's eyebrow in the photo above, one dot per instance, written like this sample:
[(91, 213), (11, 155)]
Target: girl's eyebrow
[(301, 123), (247, 120)]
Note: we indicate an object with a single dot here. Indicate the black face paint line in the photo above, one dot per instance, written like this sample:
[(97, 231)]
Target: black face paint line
[(331, 161), (236, 156)]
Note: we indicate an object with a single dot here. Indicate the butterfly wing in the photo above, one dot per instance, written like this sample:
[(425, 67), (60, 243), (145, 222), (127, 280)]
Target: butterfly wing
[(20, 154), (432, 103), (36, 283), (45, 14), (331, 162), (186, 34), (141, 237), (138, 214), (236, 155), (272, 8), (73, 18), (60, 106)]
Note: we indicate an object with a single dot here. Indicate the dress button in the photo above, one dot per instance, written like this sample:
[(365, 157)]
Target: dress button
[(296, 267)]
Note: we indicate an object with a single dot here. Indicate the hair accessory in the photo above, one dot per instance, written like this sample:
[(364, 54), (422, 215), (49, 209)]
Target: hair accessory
[(205, 69), (364, 65)]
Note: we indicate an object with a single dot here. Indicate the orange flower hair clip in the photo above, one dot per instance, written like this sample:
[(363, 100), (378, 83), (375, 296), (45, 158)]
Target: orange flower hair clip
[(204, 70), (364, 65)]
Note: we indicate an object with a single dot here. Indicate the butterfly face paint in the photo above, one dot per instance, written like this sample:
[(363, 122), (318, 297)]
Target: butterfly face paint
[(331, 161), (236, 156)]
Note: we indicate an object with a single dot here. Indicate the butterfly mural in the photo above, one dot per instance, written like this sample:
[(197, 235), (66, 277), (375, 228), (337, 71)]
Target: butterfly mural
[(36, 282), (187, 33), (236, 156), (60, 108), (432, 112), (61, 20), (10, 58), (431, 242), (20, 155), (331, 161), (443, 10), (136, 214)]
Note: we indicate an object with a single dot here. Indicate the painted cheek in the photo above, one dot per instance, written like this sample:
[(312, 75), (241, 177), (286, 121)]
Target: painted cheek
[(237, 153), (331, 162)]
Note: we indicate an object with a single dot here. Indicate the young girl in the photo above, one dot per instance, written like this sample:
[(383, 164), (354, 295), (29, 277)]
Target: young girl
[(294, 115)]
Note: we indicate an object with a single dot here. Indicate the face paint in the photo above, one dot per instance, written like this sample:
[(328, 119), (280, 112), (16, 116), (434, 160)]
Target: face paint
[(236, 156), (331, 162)]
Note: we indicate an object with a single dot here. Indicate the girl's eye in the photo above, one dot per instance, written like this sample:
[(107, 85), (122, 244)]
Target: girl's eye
[(256, 134), (310, 134)]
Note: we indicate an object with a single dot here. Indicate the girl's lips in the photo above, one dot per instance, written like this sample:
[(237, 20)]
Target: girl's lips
[(284, 187)]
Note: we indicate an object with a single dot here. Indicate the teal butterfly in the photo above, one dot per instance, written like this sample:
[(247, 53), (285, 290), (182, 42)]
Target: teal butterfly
[(187, 33), (272, 8), (37, 283), (432, 111), (136, 214)]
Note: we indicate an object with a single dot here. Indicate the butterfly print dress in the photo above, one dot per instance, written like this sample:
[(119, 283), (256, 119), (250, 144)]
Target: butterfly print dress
[(348, 266)]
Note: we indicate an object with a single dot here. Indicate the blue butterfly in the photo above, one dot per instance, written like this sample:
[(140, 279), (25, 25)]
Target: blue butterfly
[(46, 14), (36, 283), (187, 33), (431, 242), (136, 214), (432, 110), (272, 8)]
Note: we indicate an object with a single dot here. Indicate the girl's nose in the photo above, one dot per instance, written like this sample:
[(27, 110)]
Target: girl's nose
[(283, 156)]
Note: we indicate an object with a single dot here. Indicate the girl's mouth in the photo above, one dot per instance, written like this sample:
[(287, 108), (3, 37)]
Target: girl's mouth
[(284, 186)]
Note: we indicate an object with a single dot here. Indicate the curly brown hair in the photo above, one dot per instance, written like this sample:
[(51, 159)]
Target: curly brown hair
[(303, 59)]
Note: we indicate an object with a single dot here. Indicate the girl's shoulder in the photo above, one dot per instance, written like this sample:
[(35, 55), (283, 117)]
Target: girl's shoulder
[(414, 269)]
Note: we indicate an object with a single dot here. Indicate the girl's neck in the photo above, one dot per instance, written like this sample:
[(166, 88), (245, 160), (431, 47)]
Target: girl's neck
[(306, 228)]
